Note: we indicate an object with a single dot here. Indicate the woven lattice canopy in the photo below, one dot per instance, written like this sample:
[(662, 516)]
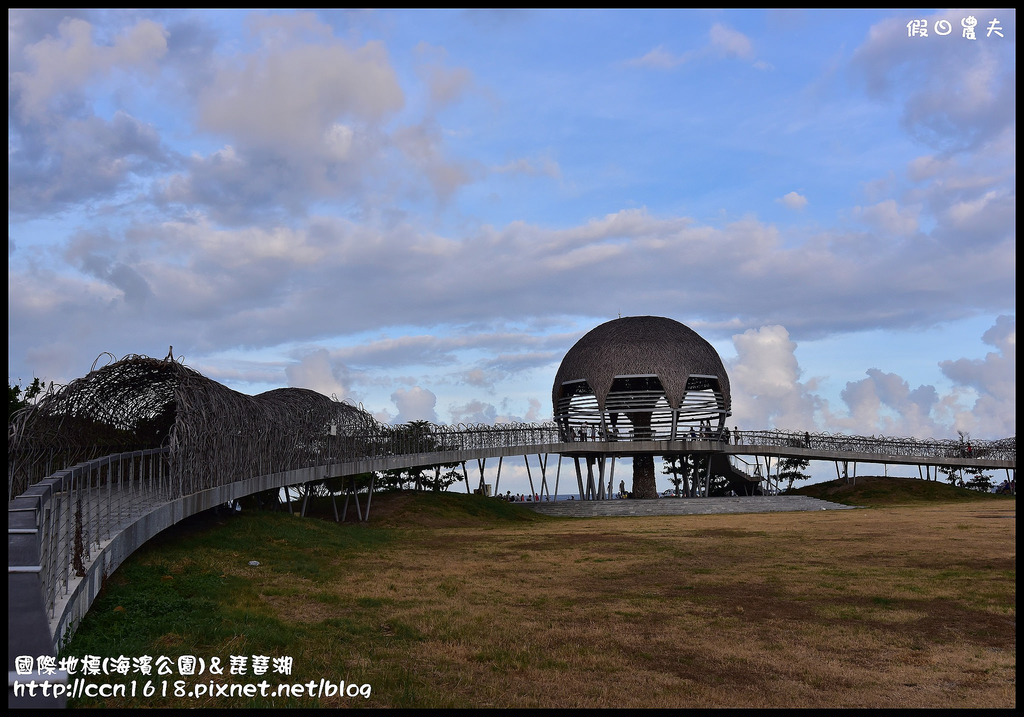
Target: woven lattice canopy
[(141, 402), (641, 345)]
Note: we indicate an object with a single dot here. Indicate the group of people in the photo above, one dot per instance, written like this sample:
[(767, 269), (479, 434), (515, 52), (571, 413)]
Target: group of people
[(594, 433), (521, 498)]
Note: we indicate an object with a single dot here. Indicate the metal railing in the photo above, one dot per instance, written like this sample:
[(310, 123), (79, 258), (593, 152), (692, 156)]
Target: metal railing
[(87, 505), (1003, 449)]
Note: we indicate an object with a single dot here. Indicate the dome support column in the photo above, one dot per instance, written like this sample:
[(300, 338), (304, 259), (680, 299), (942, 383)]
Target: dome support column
[(644, 485)]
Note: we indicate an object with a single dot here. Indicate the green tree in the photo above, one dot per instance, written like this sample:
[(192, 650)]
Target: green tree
[(977, 479), (677, 468), (792, 470), (685, 472), (18, 398), (954, 475), (420, 437)]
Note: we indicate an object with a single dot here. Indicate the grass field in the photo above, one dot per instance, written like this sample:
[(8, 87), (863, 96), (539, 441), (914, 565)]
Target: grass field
[(459, 601)]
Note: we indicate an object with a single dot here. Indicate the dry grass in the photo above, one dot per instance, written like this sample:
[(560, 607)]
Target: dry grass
[(887, 607)]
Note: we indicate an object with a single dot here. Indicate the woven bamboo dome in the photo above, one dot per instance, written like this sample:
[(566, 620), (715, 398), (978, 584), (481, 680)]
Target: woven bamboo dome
[(215, 435), (641, 378)]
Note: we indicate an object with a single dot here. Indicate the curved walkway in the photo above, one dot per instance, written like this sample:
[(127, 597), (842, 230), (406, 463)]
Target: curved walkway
[(684, 506)]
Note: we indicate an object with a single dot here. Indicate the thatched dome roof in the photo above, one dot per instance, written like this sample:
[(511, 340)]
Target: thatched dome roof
[(637, 345)]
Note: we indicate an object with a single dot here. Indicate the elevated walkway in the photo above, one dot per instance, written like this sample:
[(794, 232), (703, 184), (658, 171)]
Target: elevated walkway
[(683, 506)]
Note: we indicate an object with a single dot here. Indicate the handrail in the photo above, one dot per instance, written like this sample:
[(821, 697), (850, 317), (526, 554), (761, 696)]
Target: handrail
[(88, 503), (1002, 449)]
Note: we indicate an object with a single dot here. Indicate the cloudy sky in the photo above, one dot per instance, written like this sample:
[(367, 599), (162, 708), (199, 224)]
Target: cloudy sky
[(422, 211)]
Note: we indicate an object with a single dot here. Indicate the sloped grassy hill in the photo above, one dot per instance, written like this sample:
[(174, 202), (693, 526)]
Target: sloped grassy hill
[(430, 509), (882, 491)]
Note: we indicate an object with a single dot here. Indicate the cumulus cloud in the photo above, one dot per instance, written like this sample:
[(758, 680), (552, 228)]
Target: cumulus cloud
[(768, 390), (992, 380), (414, 404), (307, 116), (955, 95), (318, 372), (67, 62), (730, 42), (765, 376), (257, 101), (473, 412), (884, 403), (723, 41), (981, 401), (659, 58), (445, 85), (891, 218), (793, 200)]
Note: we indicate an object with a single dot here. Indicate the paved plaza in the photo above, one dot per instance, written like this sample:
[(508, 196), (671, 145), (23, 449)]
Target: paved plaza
[(684, 506)]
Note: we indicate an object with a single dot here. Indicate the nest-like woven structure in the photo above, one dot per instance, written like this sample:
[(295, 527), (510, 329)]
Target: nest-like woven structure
[(215, 435), (641, 345), (656, 372)]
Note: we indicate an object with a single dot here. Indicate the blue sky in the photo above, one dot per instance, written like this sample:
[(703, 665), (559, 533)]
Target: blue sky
[(421, 211)]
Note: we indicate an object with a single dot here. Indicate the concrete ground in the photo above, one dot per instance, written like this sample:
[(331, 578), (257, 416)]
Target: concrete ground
[(683, 506)]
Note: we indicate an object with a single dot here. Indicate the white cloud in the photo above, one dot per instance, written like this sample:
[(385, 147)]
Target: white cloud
[(956, 95), (889, 217), (445, 85), (659, 59), (793, 200), (925, 167), (414, 404), (534, 167), (723, 41), (884, 404), (317, 372), (338, 141), (731, 43), (473, 412), (256, 99), (72, 59), (765, 379), (992, 380)]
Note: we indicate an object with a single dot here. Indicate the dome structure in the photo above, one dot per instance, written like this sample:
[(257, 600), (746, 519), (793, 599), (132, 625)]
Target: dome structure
[(641, 378)]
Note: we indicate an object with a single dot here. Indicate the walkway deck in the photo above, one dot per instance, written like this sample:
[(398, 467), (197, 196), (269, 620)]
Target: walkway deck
[(684, 506)]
